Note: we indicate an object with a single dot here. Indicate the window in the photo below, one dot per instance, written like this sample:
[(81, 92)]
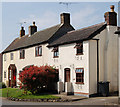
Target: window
[(5, 57), (79, 48), (22, 54), (38, 51), (79, 75), (55, 52), (11, 56), (4, 74)]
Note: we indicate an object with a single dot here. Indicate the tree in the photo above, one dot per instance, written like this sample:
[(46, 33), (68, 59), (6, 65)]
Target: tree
[(35, 78)]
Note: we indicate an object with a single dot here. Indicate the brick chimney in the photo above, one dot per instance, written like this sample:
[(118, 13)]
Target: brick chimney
[(32, 29), (22, 31), (65, 18), (111, 17)]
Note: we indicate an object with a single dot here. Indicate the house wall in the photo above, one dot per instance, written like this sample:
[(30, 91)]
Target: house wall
[(69, 59), (92, 66), (108, 57), (30, 59)]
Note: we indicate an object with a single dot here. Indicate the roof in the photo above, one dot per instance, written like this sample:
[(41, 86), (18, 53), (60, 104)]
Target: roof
[(38, 37), (79, 35)]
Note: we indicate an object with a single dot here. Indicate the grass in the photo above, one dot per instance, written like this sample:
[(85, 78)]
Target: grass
[(17, 93)]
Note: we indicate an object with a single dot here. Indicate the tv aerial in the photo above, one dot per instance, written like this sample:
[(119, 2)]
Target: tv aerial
[(21, 24), (66, 3)]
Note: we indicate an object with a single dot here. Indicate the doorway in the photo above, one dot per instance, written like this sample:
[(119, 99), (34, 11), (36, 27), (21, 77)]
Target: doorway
[(67, 74), (12, 75)]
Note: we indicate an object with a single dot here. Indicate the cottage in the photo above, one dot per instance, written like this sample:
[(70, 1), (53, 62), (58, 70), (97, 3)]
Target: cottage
[(83, 57)]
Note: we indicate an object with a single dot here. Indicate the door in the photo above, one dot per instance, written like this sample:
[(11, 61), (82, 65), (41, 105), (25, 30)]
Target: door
[(67, 74)]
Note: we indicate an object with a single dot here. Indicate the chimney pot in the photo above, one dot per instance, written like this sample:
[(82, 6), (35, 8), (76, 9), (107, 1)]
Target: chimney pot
[(111, 17), (112, 8), (22, 31), (32, 29)]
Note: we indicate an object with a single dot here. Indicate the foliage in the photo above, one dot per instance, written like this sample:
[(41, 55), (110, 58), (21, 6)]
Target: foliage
[(2, 85), (19, 93), (35, 79)]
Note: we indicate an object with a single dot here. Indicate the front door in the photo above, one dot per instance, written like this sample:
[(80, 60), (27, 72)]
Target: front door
[(67, 75), (12, 75)]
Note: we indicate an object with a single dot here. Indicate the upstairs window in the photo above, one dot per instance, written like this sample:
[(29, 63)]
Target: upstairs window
[(22, 54), (79, 48), (55, 52), (5, 57), (38, 51), (79, 75), (11, 56)]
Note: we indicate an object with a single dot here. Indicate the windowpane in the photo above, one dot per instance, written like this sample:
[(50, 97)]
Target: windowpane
[(80, 75), (22, 54), (79, 48), (4, 57), (4, 74), (38, 51), (56, 52), (11, 56)]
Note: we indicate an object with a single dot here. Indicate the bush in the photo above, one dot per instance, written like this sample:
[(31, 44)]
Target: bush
[(35, 79), (2, 85)]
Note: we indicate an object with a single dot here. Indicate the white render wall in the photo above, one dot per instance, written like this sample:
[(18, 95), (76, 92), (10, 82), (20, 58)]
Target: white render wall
[(108, 61)]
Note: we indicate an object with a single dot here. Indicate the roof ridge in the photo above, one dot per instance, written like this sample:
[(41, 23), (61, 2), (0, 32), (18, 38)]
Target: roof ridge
[(86, 27)]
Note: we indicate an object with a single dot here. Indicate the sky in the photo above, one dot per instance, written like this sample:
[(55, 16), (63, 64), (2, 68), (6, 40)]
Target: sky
[(47, 14)]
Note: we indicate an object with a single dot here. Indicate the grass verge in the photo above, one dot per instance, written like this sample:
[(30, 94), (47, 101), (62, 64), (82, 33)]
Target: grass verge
[(17, 93)]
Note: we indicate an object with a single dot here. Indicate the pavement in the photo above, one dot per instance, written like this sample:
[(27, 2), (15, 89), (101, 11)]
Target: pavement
[(71, 97), (94, 101)]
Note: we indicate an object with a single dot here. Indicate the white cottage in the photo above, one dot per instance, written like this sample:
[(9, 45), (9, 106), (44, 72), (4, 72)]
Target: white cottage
[(83, 57)]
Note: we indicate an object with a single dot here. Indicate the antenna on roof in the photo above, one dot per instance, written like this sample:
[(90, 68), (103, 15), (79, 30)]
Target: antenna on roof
[(66, 3), (21, 23)]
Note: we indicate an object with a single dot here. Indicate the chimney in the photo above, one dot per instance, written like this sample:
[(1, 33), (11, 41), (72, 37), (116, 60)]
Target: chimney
[(32, 29), (22, 32), (65, 18), (111, 17)]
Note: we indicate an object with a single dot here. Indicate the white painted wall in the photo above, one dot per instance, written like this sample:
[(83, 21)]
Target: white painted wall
[(68, 59)]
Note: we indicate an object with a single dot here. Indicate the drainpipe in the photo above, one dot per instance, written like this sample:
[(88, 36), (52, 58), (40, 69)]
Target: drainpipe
[(97, 40)]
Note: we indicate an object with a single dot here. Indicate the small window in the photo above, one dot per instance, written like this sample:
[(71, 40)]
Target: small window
[(22, 54), (55, 52), (4, 74), (79, 75), (38, 51), (79, 48), (5, 57), (11, 56)]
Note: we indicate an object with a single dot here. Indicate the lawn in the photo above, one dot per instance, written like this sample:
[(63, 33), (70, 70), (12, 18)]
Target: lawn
[(17, 93)]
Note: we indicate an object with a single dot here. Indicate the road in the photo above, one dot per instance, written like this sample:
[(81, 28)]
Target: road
[(90, 101)]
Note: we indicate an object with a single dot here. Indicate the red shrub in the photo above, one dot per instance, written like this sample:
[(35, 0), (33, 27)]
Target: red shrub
[(35, 78)]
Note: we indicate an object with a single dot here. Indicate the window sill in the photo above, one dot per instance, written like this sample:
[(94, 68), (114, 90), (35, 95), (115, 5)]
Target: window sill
[(79, 83), (79, 54), (56, 57), (38, 55), (22, 58)]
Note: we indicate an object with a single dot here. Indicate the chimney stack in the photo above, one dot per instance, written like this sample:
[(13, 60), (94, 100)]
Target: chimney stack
[(22, 31), (65, 18), (32, 29), (111, 17)]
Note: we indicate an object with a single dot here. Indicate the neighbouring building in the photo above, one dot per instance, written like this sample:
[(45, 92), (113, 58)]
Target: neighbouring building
[(1, 67), (83, 57)]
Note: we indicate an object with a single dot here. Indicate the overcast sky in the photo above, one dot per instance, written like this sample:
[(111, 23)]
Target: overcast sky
[(48, 14)]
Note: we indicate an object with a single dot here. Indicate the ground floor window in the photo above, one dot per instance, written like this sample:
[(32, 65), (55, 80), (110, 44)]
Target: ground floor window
[(79, 75), (4, 74)]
